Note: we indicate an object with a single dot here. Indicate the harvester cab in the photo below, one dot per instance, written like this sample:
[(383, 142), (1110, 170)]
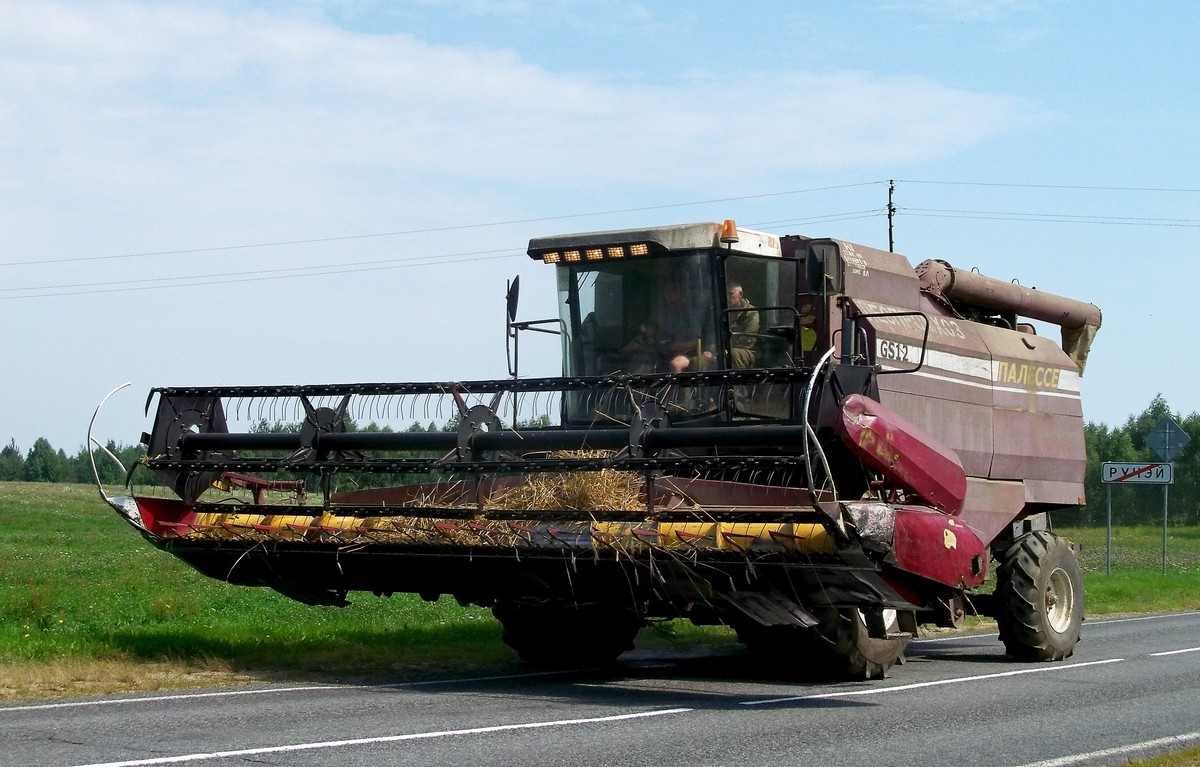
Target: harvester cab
[(679, 299), (805, 439)]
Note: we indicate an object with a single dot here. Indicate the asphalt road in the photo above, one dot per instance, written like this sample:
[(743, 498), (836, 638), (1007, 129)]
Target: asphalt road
[(1131, 690)]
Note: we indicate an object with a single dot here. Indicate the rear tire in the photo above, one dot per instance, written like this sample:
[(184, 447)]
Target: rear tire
[(559, 635), (839, 647), (1039, 590)]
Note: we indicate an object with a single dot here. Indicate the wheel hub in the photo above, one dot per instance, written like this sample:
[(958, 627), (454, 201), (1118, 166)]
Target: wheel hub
[(1060, 600)]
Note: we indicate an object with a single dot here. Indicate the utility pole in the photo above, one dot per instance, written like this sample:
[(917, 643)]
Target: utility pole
[(891, 211)]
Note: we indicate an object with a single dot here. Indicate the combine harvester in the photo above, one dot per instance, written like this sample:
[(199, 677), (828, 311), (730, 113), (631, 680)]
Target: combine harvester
[(807, 440)]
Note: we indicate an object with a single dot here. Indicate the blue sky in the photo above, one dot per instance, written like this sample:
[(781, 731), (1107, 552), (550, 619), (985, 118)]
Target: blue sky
[(240, 192)]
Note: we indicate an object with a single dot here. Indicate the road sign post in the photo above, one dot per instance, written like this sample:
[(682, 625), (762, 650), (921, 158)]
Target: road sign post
[(1108, 536), (1117, 473), (1164, 550), (1167, 440)]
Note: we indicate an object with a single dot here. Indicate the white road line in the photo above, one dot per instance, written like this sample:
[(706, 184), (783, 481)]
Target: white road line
[(1174, 652), (157, 698), (1106, 621), (498, 677), (386, 739), (1173, 741), (935, 683), (269, 690), (1090, 622)]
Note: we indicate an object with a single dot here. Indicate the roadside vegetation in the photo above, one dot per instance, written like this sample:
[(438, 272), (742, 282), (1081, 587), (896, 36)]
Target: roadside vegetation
[(1137, 583), (86, 606), (1189, 757), (1133, 505)]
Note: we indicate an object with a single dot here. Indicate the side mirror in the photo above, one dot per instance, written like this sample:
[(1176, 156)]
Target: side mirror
[(510, 333), (514, 293)]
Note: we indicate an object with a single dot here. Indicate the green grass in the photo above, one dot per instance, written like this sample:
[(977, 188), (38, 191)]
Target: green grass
[(80, 584), (1137, 582), (86, 605), (82, 591), (1187, 758)]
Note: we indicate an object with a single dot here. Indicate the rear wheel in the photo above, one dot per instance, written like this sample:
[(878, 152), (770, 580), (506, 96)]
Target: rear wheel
[(1040, 598), (555, 634), (839, 646)]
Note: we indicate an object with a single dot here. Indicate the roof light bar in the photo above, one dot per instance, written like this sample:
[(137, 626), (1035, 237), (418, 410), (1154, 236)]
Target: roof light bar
[(608, 253)]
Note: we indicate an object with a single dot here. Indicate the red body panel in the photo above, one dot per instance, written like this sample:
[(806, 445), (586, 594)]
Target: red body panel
[(939, 548), (904, 453), (164, 516)]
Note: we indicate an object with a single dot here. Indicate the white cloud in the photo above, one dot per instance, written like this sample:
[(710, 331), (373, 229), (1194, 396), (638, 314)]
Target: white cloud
[(141, 94), (132, 127)]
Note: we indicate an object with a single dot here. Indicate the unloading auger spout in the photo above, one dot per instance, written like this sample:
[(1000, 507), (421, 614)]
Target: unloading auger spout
[(1079, 320)]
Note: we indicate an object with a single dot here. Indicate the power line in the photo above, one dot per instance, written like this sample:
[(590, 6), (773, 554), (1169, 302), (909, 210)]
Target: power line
[(215, 280), (294, 271), (431, 230), (152, 283), (259, 275), (1055, 186), (666, 206), (847, 216), (1057, 218)]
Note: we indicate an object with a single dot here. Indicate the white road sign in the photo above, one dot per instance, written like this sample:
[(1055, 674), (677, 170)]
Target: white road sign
[(1137, 473)]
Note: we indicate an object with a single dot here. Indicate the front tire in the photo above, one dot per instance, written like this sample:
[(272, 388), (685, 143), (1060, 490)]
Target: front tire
[(1040, 592), (853, 652)]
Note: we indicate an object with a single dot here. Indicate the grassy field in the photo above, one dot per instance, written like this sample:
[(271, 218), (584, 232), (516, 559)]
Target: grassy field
[(1137, 583), (87, 606)]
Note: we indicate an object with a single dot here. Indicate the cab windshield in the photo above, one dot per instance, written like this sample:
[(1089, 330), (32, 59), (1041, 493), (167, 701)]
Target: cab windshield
[(693, 311), (637, 317), (653, 316)]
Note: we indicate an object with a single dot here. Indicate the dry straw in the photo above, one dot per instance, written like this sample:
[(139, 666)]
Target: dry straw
[(604, 490)]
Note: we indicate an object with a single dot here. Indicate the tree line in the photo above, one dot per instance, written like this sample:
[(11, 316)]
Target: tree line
[(42, 463), (1139, 504), (1131, 504)]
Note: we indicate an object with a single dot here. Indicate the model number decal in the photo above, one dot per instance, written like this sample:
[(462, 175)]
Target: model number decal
[(893, 350)]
